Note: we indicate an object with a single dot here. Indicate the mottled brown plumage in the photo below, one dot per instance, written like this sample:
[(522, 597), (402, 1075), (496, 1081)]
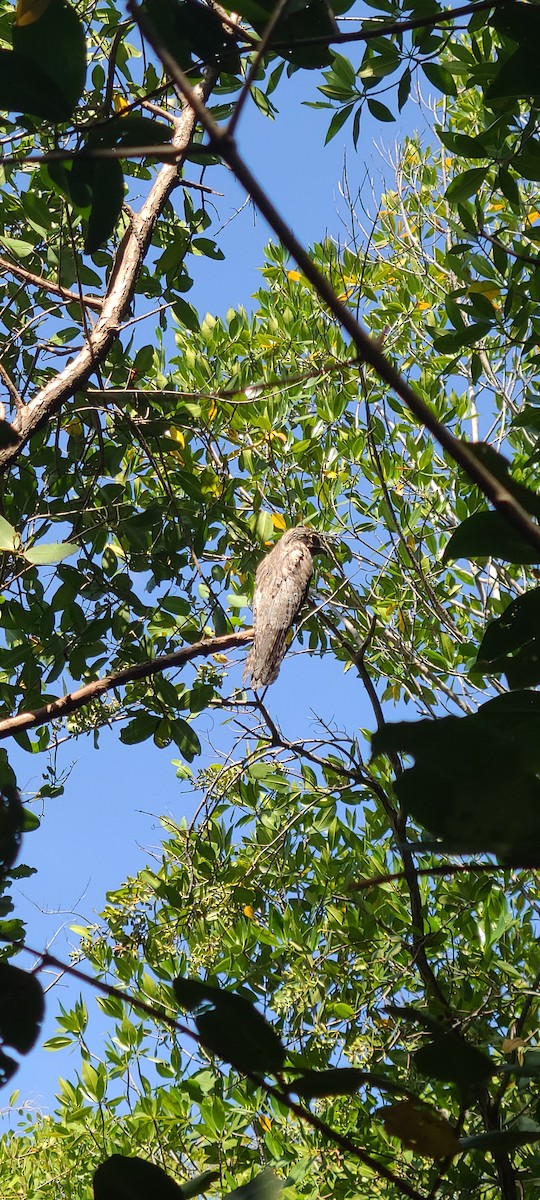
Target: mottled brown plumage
[(281, 586)]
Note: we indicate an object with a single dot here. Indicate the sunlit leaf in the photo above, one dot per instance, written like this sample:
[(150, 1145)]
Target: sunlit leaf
[(47, 555)]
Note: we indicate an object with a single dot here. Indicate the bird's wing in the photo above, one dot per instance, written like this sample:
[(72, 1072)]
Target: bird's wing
[(281, 585)]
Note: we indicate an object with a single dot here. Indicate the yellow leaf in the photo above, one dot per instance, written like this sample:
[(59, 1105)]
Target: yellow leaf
[(484, 287), (212, 410), (29, 11), (278, 521), (294, 275), (420, 1128), (265, 1123), (275, 433), (120, 104), (532, 216), (345, 295), (177, 436), (248, 911), (422, 305)]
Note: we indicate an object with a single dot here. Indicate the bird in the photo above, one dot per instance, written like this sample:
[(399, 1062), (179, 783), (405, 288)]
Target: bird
[(281, 586)]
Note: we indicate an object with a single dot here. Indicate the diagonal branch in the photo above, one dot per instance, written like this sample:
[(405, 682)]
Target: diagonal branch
[(129, 259), (48, 285), (219, 142), (142, 670), (378, 28)]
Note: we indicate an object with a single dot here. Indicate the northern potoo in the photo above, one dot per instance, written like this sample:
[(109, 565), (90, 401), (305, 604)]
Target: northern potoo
[(281, 586)]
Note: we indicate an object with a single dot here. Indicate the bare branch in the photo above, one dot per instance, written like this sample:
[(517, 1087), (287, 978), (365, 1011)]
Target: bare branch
[(48, 285), (129, 259)]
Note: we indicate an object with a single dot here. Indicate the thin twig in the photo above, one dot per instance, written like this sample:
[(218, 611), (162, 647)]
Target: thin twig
[(13, 392), (378, 30)]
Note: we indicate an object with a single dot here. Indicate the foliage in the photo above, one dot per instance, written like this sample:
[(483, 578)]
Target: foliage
[(362, 999)]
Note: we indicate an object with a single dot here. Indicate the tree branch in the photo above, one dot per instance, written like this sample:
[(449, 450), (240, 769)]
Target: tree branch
[(129, 259), (368, 347), (393, 27), (143, 670), (48, 285), (158, 1014)]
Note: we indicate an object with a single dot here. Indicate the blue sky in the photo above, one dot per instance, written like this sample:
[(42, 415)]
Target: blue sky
[(103, 827)]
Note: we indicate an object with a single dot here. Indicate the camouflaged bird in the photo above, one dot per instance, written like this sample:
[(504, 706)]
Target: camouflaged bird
[(281, 586)]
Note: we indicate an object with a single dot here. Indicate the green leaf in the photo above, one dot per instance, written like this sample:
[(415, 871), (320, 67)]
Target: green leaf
[(511, 644), (500, 1140), (139, 729), (452, 1059), (28, 90), (527, 165), (185, 738), (404, 88), (55, 44), (338, 120), (107, 202), (57, 1043), (22, 1007), (521, 22), (517, 77), (464, 144), (265, 1186), (47, 554), (199, 29), (132, 130), (340, 1081), (208, 248), (440, 78), (420, 1128), (380, 111), (13, 817), (489, 535), (8, 535), (475, 782), (198, 1185), (499, 466), (468, 183), (8, 436), (452, 343), (186, 314), (231, 1027), (123, 1178)]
